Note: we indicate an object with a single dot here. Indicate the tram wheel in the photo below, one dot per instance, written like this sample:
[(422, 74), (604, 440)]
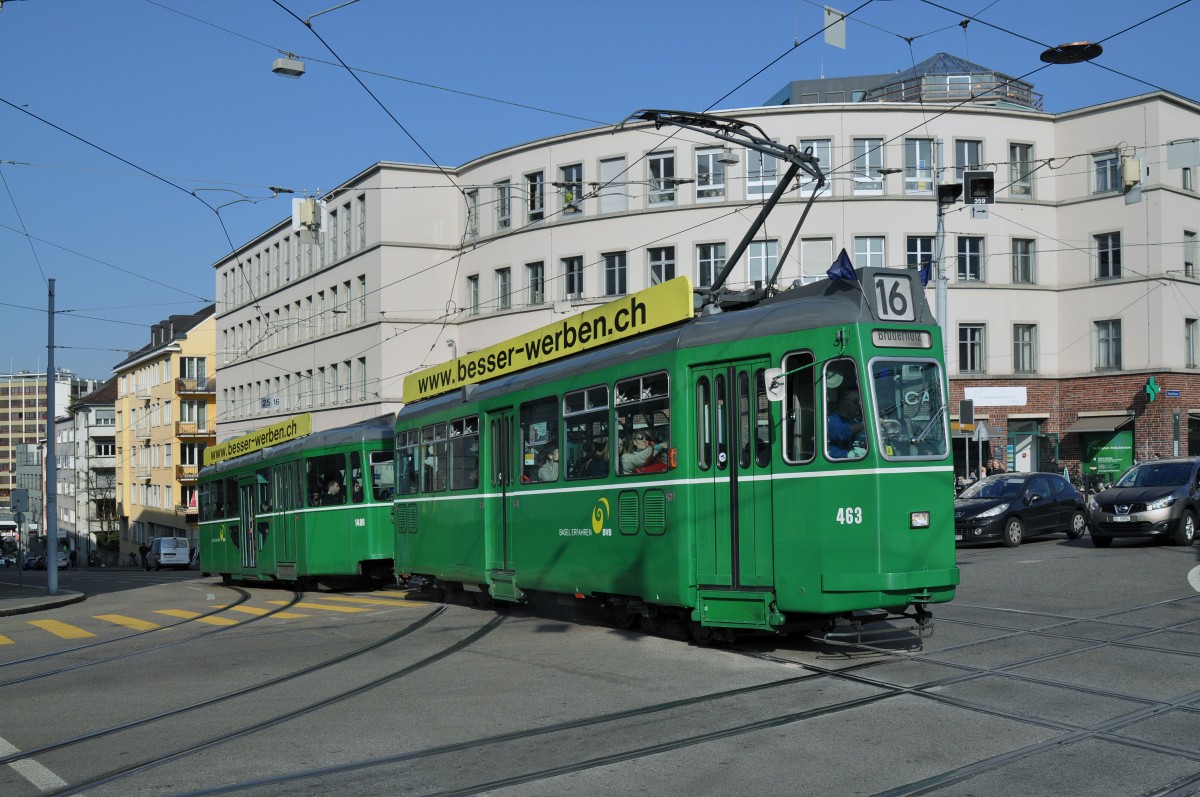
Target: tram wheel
[(226, 579), (701, 634), (483, 598), (622, 616)]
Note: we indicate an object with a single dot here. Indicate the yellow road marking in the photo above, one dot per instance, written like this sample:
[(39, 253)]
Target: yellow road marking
[(370, 601), (325, 608), (257, 612), (63, 630), (5, 640), (129, 622), (186, 615)]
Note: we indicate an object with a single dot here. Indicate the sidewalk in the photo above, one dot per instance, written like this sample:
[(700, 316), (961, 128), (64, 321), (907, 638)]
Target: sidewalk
[(28, 598)]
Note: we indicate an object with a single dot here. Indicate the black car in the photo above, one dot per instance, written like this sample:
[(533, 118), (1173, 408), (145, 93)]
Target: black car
[(1160, 498), (1012, 506)]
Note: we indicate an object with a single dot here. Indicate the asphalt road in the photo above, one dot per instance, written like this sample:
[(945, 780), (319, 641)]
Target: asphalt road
[(1059, 669)]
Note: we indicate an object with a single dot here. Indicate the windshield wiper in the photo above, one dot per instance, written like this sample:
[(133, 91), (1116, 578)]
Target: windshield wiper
[(928, 427)]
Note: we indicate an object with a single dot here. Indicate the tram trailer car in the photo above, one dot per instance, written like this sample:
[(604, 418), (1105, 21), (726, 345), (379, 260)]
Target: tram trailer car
[(317, 508), (749, 515)]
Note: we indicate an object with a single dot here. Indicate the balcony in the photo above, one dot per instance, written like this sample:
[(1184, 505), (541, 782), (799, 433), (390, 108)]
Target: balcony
[(191, 515), (142, 392), (196, 386), (141, 472), (143, 431), (187, 473), (191, 430)]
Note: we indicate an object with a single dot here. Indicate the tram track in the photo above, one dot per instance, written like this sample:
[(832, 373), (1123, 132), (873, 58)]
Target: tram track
[(211, 701), (1066, 733), (208, 632)]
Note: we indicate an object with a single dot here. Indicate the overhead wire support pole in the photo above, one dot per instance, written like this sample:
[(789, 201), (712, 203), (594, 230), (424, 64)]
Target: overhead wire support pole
[(51, 517), (739, 132)]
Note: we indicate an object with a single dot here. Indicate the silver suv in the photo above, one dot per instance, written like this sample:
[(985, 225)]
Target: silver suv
[(1160, 498)]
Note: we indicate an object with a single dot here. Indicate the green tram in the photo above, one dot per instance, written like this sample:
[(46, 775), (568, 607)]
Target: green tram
[(782, 465), (314, 508)]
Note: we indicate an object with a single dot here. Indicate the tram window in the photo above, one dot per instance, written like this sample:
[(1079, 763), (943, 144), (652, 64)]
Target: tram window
[(909, 407), (586, 450), (383, 477), (539, 427), (208, 501), (703, 423), (762, 421), (434, 461), (357, 493), (845, 431), (326, 480), (721, 422), (643, 411), (232, 504), (744, 420), (407, 457), (464, 453), (800, 401), (263, 479)]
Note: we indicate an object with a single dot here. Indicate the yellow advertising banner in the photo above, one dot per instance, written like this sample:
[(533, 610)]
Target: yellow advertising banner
[(656, 307), (272, 435)]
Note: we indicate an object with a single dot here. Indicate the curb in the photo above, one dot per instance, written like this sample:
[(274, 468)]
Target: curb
[(37, 604)]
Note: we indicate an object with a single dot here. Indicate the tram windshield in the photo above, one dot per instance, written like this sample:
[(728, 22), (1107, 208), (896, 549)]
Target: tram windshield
[(910, 408)]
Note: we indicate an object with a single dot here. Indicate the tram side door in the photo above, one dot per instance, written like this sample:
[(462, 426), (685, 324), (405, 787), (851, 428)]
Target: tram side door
[(500, 467), (734, 444), (247, 502)]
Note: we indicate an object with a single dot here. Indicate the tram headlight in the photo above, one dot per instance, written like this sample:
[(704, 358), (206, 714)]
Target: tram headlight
[(918, 520)]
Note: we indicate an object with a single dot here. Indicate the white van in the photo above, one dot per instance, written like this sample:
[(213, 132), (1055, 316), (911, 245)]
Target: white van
[(168, 552)]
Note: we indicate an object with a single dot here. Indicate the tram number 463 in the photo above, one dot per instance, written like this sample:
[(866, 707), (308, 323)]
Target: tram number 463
[(849, 515), (894, 297)]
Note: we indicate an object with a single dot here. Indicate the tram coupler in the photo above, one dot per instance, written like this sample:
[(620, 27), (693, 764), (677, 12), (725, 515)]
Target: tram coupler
[(850, 631)]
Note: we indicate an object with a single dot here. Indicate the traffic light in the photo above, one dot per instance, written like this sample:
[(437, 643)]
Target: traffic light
[(979, 188)]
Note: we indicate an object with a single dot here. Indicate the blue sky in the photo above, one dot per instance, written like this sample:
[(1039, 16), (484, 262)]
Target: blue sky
[(113, 113)]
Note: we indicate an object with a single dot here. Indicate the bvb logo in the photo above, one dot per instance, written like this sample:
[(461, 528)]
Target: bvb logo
[(600, 513)]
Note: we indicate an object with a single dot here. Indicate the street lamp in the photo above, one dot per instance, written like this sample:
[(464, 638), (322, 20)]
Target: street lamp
[(947, 194)]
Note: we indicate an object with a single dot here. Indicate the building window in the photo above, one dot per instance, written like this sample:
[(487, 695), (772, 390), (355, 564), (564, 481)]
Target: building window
[(710, 174), (1023, 250), (362, 378), (473, 295), (762, 174), (1108, 344), (1107, 168), (1025, 348), (1186, 176), (347, 226), (661, 167), (535, 188), (472, 198), (1108, 255), (333, 236), (970, 259), (571, 185), (503, 205), (971, 349), (868, 160), (868, 251), (362, 222), (920, 252), (1020, 170), (918, 166), (760, 261), (614, 274), (662, 263), (710, 260), (535, 278), (613, 188), (821, 150), (1189, 342), (1189, 254), (573, 277), (503, 288), (968, 156)]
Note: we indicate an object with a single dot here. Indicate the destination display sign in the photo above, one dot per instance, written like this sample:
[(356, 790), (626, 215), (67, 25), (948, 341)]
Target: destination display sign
[(273, 435), (659, 306), (901, 339)]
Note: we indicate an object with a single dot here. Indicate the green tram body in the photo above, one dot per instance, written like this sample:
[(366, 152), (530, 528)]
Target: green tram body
[(268, 516), (754, 526)]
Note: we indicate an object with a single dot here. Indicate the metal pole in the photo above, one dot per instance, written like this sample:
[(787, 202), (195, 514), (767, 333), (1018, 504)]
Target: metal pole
[(51, 518), (943, 282)]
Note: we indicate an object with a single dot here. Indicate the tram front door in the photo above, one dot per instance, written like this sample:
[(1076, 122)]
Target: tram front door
[(734, 439), (499, 469)]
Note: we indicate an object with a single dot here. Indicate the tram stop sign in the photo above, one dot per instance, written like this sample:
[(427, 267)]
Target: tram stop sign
[(981, 433)]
